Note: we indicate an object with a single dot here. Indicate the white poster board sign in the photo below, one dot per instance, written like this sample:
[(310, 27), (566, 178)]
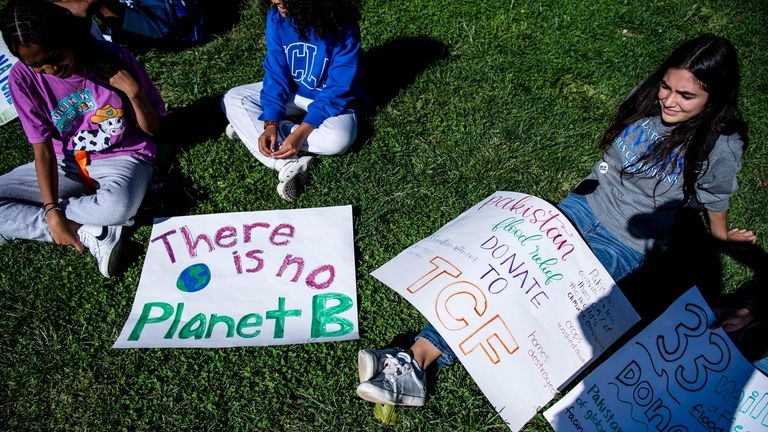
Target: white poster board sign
[(243, 279), (7, 111), (675, 376), (517, 294)]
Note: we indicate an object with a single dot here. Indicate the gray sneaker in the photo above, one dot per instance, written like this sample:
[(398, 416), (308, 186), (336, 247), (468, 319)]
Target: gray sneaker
[(400, 382), (104, 243), (371, 362)]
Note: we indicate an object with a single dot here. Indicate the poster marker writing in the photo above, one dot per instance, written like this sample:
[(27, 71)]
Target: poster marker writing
[(325, 322), (224, 237)]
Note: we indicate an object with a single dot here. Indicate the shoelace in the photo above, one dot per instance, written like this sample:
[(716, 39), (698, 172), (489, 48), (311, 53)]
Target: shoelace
[(393, 368)]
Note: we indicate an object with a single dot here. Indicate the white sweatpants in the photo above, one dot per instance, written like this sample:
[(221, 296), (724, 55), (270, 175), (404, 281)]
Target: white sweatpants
[(242, 106)]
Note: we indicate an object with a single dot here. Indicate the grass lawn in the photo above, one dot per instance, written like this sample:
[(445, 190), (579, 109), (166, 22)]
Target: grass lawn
[(470, 97)]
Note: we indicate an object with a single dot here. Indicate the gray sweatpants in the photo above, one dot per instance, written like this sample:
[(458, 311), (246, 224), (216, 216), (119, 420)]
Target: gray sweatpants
[(122, 180)]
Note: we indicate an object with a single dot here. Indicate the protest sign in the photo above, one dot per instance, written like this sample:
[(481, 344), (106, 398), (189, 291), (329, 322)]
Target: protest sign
[(252, 278), (7, 111), (676, 376), (517, 294)]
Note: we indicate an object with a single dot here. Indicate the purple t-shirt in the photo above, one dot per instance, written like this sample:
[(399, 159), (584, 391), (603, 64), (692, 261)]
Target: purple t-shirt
[(83, 112)]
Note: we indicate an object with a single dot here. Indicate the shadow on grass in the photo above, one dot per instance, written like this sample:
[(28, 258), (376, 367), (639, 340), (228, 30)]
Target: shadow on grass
[(392, 67), (220, 15), (171, 193), (690, 257)]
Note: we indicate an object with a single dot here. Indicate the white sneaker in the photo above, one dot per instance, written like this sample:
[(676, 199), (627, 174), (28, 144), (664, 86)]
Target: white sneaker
[(294, 167), (293, 177), (291, 189), (230, 132), (104, 243)]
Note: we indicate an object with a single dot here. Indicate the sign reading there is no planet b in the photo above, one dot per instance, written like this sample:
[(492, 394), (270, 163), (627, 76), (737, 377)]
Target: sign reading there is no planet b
[(246, 279)]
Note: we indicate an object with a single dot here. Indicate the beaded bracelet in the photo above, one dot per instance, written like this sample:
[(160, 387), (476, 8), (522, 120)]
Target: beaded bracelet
[(270, 123), (55, 207)]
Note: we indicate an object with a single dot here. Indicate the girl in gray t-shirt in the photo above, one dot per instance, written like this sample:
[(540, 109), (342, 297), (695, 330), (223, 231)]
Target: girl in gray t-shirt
[(648, 172)]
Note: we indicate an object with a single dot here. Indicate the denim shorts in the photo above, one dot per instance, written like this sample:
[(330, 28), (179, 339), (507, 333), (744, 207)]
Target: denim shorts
[(431, 335), (617, 258)]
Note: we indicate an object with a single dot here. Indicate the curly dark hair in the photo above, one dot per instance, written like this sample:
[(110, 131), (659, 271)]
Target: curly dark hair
[(327, 18), (713, 61)]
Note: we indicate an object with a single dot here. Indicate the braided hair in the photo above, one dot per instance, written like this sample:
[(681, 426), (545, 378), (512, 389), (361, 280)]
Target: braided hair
[(55, 29)]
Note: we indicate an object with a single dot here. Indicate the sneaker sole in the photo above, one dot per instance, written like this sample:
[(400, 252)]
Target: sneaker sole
[(282, 186), (371, 393), (367, 366), (114, 256)]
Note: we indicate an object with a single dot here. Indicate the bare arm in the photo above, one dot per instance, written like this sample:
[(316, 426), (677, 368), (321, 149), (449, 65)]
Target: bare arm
[(718, 225), (146, 116), (62, 230)]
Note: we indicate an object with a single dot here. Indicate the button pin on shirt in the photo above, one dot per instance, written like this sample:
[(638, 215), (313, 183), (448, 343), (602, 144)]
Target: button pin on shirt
[(603, 167)]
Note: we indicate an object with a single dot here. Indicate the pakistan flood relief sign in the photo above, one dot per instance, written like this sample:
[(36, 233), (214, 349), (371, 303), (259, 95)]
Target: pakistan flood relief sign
[(252, 278), (517, 294), (678, 375)]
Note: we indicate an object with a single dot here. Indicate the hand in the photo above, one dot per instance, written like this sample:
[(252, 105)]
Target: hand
[(268, 141), (290, 147), (124, 82), (292, 143), (732, 319), (62, 231), (741, 235)]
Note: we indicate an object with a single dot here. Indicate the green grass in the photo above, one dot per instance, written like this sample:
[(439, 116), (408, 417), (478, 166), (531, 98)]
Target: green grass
[(515, 97)]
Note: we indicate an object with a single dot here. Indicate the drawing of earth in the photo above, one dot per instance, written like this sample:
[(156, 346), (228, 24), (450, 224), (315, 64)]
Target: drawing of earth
[(194, 278)]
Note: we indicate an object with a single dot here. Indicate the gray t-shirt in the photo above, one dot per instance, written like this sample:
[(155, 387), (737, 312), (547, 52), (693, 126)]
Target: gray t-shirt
[(639, 209)]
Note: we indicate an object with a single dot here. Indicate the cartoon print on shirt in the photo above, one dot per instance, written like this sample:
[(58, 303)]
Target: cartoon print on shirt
[(70, 108), (301, 59), (110, 121)]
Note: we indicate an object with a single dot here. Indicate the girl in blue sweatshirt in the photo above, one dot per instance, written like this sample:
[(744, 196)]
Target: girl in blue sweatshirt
[(310, 98)]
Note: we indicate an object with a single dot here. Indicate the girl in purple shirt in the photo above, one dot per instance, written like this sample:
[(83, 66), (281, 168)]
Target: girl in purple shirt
[(89, 110)]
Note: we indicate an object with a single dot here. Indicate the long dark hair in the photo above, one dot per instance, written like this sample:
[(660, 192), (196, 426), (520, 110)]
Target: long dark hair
[(714, 63), (53, 28), (327, 18)]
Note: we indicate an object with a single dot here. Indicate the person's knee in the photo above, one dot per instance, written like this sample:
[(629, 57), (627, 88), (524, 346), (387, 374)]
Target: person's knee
[(335, 143), (117, 209), (229, 99), (239, 97)]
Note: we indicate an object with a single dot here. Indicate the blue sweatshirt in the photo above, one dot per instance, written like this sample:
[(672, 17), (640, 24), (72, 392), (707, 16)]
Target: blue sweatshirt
[(324, 70)]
